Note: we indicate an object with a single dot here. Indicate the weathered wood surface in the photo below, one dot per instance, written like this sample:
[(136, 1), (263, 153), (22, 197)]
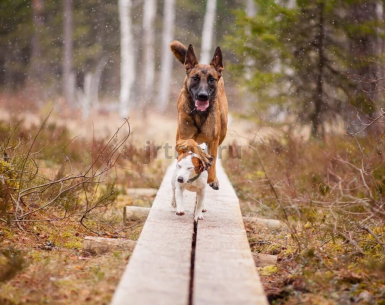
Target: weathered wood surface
[(148, 192), (135, 213), (158, 271), (269, 223), (101, 245), (224, 269), (263, 260)]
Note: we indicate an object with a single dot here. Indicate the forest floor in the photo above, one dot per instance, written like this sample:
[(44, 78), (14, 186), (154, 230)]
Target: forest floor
[(328, 196), (324, 258), (44, 262)]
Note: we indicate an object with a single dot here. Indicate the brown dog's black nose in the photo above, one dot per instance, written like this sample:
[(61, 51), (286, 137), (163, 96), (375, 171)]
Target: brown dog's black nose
[(180, 179), (203, 96)]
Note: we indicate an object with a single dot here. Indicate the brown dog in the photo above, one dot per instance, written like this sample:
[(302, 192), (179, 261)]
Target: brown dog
[(202, 108)]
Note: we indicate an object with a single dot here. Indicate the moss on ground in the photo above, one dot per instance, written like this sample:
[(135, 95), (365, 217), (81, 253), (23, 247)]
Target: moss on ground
[(331, 246)]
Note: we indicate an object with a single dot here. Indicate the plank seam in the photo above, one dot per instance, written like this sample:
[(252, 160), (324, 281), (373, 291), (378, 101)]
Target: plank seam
[(192, 264)]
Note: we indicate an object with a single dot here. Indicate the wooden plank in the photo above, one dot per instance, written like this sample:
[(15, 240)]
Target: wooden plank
[(224, 269), (159, 269), (263, 260), (135, 213), (147, 192), (263, 222), (100, 245)]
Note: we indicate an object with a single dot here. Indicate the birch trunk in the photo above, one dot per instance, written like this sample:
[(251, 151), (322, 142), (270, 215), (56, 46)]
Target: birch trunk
[(127, 66), (291, 4), (37, 6), (96, 81), (208, 31), (251, 12), (166, 63), (149, 49), (251, 8), (86, 102), (68, 76)]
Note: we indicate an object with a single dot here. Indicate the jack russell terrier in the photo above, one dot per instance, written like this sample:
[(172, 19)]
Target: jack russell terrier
[(189, 174)]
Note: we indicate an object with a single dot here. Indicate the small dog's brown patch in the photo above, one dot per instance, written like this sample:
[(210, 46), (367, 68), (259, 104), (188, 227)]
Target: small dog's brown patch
[(198, 165)]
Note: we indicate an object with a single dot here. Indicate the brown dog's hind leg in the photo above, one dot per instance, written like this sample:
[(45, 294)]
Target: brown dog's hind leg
[(183, 146)]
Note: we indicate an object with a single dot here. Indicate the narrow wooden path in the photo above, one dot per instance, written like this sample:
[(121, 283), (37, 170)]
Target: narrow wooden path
[(177, 262)]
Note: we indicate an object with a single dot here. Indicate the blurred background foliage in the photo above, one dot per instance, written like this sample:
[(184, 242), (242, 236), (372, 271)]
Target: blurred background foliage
[(305, 60)]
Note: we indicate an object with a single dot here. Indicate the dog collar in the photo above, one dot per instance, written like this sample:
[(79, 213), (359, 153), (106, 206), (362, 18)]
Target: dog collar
[(191, 180)]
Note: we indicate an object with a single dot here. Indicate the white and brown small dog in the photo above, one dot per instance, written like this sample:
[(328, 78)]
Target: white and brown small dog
[(190, 175)]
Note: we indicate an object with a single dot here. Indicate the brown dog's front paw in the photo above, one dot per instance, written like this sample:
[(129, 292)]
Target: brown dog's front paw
[(214, 185), (207, 160)]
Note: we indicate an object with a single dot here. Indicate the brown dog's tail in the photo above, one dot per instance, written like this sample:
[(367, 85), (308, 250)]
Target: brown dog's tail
[(179, 50)]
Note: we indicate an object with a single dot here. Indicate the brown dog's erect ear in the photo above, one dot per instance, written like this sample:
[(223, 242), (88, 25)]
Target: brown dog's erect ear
[(198, 165), (179, 51), (216, 62), (191, 60)]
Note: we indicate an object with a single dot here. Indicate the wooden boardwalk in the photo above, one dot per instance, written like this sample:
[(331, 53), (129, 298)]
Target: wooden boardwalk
[(177, 262)]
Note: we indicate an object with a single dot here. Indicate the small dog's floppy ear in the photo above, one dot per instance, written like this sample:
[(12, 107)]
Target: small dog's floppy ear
[(198, 165), (179, 51), (216, 62), (190, 60)]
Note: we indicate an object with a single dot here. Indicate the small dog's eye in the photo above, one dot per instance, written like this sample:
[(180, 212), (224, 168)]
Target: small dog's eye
[(190, 168), (178, 166)]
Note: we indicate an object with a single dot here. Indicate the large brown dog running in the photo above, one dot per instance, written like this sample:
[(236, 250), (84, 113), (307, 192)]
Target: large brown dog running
[(202, 108)]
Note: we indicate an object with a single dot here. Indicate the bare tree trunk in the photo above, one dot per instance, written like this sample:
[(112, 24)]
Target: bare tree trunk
[(380, 47), (127, 66), (148, 50), (251, 12), (363, 46), (96, 80), (36, 62), (291, 4), (251, 8), (166, 63), (317, 115), (68, 77), (208, 31), (86, 95)]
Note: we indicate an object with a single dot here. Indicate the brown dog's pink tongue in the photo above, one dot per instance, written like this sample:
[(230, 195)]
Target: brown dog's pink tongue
[(201, 105)]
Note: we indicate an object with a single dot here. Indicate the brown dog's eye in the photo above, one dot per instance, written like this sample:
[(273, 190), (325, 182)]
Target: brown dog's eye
[(195, 78), (211, 79)]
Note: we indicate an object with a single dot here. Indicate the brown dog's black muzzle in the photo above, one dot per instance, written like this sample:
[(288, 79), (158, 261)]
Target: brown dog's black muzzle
[(203, 96)]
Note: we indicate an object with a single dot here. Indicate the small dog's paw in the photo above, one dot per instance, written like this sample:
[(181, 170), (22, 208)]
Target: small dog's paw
[(204, 210), (199, 217), (173, 204), (214, 185), (180, 213)]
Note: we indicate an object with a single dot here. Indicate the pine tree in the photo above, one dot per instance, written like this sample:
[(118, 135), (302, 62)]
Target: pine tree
[(301, 56)]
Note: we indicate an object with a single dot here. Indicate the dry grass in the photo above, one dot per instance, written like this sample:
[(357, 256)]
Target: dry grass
[(41, 256), (330, 197)]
